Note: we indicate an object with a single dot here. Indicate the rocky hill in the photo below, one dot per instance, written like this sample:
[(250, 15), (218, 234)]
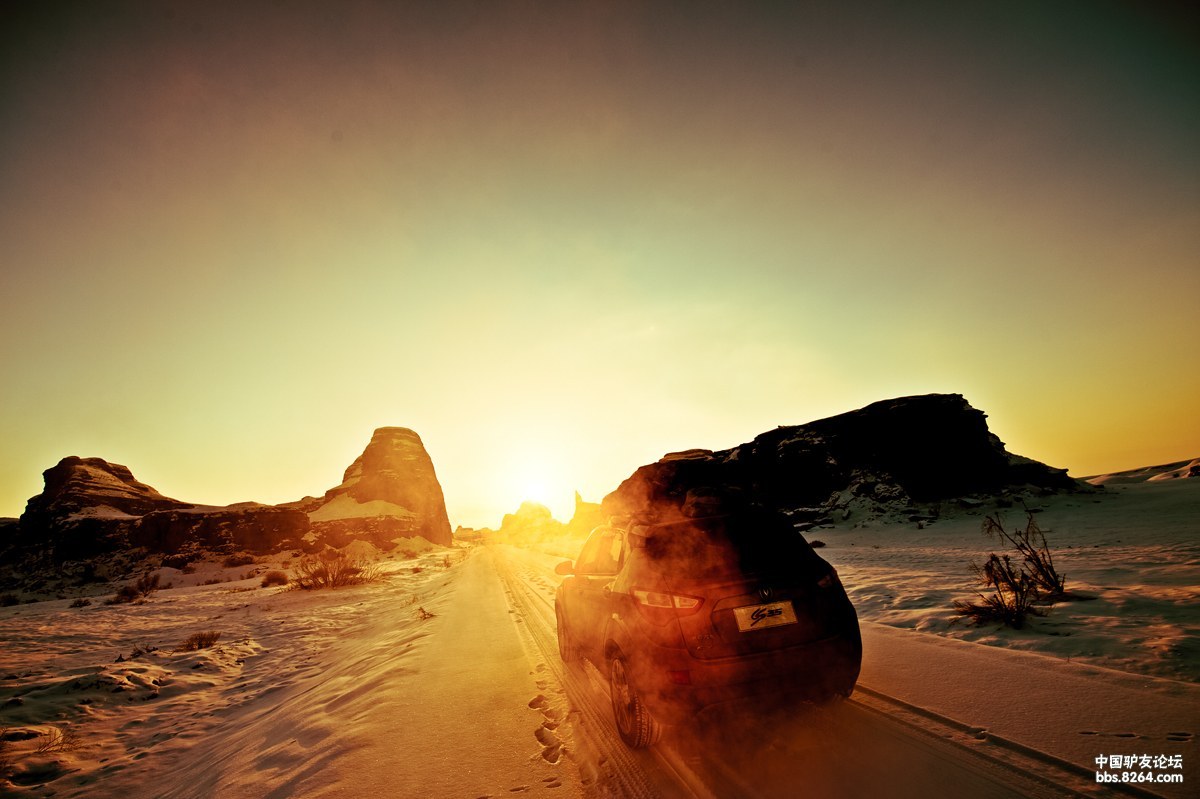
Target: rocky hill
[(91, 508), (390, 491), (897, 456)]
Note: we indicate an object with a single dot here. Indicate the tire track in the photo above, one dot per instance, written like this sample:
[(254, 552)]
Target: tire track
[(622, 772)]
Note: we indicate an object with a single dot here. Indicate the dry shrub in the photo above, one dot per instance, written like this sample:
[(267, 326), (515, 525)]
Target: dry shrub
[(238, 559), (199, 641), (82, 602), (143, 587), (274, 578), (424, 614), (58, 740), (333, 568), (1013, 592), (1013, 589), (1032, 546), (409, 554)]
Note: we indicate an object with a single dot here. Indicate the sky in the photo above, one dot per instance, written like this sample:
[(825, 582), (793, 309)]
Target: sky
[(561, 240)]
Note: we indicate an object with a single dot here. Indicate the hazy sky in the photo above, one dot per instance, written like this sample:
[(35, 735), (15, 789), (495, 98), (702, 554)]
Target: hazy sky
[(561, 240)]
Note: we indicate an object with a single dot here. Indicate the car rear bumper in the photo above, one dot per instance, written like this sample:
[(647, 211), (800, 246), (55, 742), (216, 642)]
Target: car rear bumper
[(676, 686)]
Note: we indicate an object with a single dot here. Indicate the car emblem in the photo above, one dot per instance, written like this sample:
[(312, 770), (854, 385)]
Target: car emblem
[(765, 593)]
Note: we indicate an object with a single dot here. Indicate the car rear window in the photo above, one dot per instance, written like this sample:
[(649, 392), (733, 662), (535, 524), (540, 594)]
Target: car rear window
[(732, 548)]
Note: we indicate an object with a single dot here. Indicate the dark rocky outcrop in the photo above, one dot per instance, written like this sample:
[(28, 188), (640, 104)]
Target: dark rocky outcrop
[(890, 454), (92, 508), (256, 528), (88, 507)]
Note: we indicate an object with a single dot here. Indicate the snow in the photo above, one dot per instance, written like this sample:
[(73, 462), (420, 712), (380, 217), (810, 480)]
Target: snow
[(1133, 548), (441, 679), (100, 512), (345, 506)]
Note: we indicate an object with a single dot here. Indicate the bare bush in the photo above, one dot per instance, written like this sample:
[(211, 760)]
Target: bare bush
[(58, 740), (196, 641), (1032, 546), (81, 602), (238, 559), (424, 614), (1013, 590), (1011, 598), (143, 587), (333, 568), (274, 578)]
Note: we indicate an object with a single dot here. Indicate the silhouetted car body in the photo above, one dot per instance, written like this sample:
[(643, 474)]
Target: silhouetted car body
[(702, 611)]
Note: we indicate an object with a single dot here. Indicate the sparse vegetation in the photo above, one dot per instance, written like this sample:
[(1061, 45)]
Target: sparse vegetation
[(333, 568), (445, 561), (144, 586), (82, 602), (274, 578), (409, 554), (1014, 589), (1031, 544), (58, 740), (55, 741), (138, 651), (424, 614), (196, 641), (1011, 598), (238, 559)]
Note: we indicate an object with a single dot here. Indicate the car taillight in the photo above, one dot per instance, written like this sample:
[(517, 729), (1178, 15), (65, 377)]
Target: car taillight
[(660, 607)]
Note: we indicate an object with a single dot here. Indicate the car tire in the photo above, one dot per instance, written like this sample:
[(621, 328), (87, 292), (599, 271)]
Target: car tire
[(567, 649), (637, 727)]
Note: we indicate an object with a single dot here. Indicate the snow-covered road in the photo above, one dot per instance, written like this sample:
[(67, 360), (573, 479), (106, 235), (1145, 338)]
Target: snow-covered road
[(871, 746)]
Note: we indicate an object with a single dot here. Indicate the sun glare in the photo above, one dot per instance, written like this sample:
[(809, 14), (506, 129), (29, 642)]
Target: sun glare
[(536, 481)]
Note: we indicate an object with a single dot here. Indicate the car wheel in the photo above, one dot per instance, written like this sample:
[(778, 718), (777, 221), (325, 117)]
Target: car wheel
[(637, 727), (567, 649)]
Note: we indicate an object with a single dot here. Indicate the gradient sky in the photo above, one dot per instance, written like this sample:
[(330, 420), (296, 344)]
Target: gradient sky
[(561, 240)]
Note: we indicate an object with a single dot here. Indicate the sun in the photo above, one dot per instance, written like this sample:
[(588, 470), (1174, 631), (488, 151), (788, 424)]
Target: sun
[(536, 489), (536, 480)]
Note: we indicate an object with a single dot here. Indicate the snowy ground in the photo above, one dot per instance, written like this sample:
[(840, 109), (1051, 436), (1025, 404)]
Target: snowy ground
[(1135, 549), (354, 692)]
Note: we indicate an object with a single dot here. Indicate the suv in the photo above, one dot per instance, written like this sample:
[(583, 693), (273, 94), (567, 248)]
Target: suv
[(686, 614)]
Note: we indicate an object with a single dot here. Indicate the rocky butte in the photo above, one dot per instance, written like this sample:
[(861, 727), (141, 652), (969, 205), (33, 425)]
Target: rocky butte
[(92, 508), (389, 492), (889, 458)]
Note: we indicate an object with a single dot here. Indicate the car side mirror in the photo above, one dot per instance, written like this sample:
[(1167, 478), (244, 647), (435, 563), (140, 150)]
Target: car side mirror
[(566, 567)]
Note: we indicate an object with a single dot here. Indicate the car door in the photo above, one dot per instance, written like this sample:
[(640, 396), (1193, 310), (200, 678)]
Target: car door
[(597, 567)]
